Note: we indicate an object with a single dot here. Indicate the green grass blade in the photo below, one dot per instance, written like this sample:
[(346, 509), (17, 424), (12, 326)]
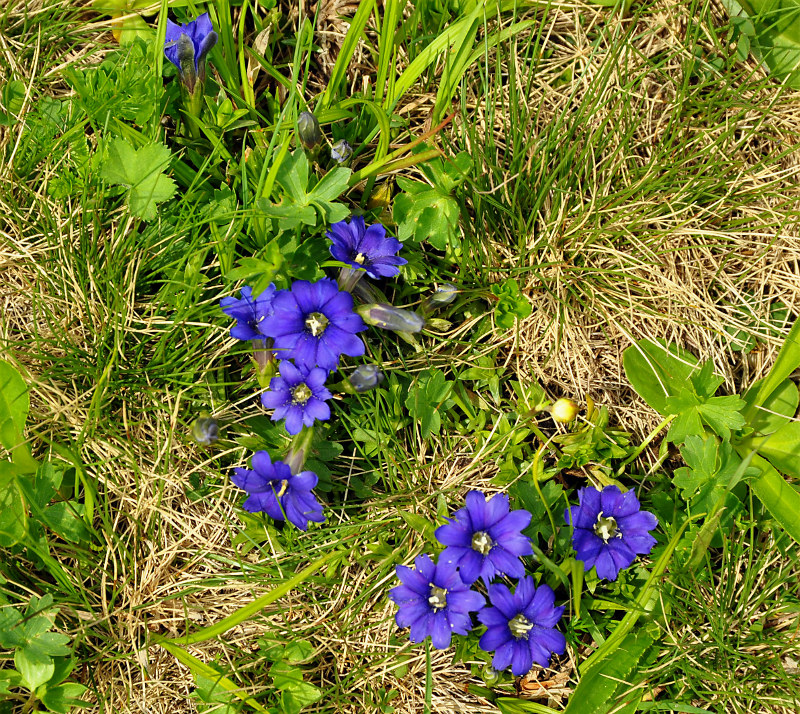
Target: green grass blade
[(197, 666), (354, 34), (788, 361), (249, 610)]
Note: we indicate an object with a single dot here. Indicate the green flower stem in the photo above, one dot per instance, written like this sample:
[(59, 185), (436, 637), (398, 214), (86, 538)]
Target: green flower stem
[(298, 452)]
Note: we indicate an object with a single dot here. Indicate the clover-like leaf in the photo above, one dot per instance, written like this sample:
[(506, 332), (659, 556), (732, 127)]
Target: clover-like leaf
[(141, 172)]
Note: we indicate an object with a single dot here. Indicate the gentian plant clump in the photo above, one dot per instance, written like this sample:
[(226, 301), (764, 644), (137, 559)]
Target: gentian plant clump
[(307, 328), (484, 541)]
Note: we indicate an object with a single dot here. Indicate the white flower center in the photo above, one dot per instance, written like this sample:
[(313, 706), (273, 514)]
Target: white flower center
[(360, 258), (607, 528), (438, 597), (301, 394), (316, 323), (284, 486), (482, 542), (520, 626)]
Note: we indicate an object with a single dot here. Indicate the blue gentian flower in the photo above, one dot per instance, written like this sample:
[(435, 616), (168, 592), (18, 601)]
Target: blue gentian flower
[(313, 324), (366, 247), (521, 626), (298, 395), (248, 312), (186, 46), (434, 602), (610, 530), (273, 488), (485, 539)]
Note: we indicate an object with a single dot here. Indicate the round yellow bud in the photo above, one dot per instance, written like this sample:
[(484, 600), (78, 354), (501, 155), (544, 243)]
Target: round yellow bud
[(564, 411)]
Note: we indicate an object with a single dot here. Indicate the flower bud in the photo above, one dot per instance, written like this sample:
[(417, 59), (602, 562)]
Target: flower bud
[(564, 411), (341, 151), (388, 317), (205, 429), (308, 130), (366, 377), (443, 296), (186, 62)]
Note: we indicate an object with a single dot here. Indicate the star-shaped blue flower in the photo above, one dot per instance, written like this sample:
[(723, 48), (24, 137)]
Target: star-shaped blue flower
[(521, 626), (485, 539), (313, 324), (298, 395), (610, 529), (273, 488), (366, 247), (434, 602), (248, 312)]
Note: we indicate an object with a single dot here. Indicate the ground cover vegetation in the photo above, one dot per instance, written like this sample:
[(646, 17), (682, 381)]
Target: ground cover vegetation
[(399, 357)]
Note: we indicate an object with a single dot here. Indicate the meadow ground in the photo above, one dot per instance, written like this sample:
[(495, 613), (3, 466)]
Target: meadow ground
[(632, 174)]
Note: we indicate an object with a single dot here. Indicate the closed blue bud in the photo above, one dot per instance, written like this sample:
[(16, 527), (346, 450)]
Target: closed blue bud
[(366, 377), (205, 430), (341, 151), (388, 317), (308, 130), (444, 295)]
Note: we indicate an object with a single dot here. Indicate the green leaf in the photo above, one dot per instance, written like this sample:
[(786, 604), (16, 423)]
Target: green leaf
[(782, 448), (425, 399), (13, 510), (12, 97), (14, 405), (8, 678), (295, 693), (427, 214), (298, 204), (141, 172), (778, 408), (35, 667), (722, 414), (64, 697), (10, 634), (526, 496), (512, 304), (421, 525), (658, 371), (601, 686), (779, 497), (787, 361), (701, 456), (776, 34)]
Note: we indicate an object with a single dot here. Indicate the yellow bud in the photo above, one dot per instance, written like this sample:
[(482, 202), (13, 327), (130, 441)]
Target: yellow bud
[(564, 411)]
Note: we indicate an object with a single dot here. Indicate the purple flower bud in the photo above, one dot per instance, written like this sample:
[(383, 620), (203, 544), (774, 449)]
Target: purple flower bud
[(388, 317), (186, 46), (205, 430), (308, 130), (444, 295), (366, 377), (341, 151)]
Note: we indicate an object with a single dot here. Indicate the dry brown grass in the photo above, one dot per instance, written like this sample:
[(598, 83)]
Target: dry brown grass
[(171, 564)]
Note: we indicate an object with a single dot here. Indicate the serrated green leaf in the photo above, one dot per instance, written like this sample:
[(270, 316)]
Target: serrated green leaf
[(723, 414), (141, 172), (425, 399), (700, 454)]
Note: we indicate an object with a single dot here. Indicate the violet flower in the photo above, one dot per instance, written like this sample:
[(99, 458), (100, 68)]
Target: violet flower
[(274, 489), (521, 626), (313, 324), (366, 247), (485, 539), (298, 395), (186, 46), (610, 530), (248, 312), (434, 601)]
